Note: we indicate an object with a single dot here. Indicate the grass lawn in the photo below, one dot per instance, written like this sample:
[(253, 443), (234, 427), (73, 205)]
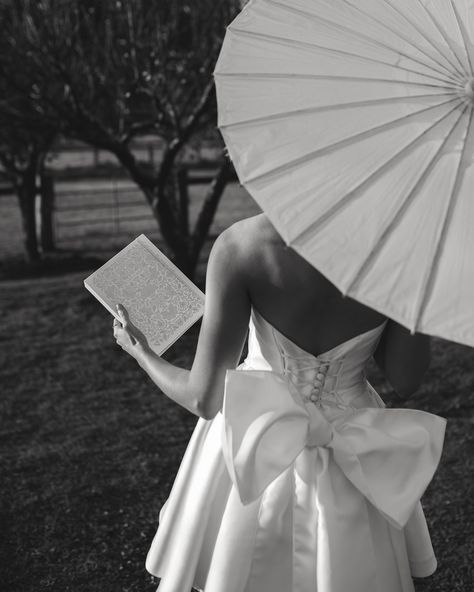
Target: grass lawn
[(90, 447)]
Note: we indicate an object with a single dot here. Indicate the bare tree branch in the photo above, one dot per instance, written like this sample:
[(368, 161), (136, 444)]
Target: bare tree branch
[(106, 72)]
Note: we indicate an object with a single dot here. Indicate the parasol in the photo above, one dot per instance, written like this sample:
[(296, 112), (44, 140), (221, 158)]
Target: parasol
[(350, 122)]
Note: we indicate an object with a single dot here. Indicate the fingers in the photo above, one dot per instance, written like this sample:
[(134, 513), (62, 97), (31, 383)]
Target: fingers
[(124, 325), (116, 326), (123, 315)]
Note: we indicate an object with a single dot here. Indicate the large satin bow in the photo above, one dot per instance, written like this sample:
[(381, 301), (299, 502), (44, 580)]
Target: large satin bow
[(389, 455)]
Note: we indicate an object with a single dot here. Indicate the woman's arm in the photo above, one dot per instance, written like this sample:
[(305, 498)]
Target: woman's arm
[(221, 338), (403, 358)]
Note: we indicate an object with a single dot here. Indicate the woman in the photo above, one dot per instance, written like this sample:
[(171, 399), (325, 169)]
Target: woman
[(295, 478)]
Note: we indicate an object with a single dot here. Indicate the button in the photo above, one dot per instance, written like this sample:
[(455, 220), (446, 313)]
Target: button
[(314, 398), (316, 389), (317, 382), (319, 375)]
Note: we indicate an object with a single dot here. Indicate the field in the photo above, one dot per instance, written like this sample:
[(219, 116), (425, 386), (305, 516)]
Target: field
[(90, 448)]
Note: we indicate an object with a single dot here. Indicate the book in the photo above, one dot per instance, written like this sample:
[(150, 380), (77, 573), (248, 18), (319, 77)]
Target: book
[(160, 300)]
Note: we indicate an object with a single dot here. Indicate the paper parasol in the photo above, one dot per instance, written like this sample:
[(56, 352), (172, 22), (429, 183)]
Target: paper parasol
[(350, 122)]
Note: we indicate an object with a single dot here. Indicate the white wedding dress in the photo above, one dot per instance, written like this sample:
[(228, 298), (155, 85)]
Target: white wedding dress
[(304, 482)]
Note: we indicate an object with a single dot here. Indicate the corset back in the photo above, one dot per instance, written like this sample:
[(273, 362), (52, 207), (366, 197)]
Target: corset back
[(334, 380)]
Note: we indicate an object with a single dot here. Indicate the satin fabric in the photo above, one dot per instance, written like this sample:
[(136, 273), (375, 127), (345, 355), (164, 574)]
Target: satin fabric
[(304, 482)]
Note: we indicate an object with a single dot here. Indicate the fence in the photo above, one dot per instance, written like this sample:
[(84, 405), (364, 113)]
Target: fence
[(115, 208), (101, 215)]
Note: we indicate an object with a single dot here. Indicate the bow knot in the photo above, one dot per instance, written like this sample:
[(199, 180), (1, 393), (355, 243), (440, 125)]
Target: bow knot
[(320, 431), (389, 455)]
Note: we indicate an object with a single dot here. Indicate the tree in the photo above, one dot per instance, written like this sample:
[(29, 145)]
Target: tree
[(113, 70), (26, 137)]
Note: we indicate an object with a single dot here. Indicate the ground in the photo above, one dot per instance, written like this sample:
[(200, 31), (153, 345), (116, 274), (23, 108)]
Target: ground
[(90, 447)]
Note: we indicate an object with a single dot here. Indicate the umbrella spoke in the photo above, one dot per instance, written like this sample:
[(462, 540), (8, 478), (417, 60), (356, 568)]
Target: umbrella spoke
[(404, 38), (425, 36), (432, 268), (444, 72), (333, 107), (386, 232), (442, 32), (290, 75), (464, 35), (345, 141), (358, 190), (294, 43)]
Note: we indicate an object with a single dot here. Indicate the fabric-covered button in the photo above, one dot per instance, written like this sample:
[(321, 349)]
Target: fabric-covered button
[(314, 398), (316, 389), (319, 375)]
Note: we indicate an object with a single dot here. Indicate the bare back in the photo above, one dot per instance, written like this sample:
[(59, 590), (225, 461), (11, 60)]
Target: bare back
[(250, 266), (293, 296)]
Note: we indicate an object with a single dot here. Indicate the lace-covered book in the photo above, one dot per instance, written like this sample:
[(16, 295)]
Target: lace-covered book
[(161, 301)]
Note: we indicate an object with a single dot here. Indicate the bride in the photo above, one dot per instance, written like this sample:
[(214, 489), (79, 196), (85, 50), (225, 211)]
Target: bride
[(296, 477)]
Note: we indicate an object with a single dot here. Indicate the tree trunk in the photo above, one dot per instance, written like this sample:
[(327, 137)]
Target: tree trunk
[(172, 213), (163, 203), (26, 191), (47, 212), (178, 243), (183, 194), (209, 208)]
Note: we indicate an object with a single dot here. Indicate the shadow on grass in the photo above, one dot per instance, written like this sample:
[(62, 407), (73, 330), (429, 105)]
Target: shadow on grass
[(56, 263)]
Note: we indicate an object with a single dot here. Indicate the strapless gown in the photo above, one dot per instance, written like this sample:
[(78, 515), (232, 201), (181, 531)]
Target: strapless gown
[(303, 482)]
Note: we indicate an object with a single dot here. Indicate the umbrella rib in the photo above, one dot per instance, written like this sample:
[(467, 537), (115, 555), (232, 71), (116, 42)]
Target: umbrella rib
[(446, 72), (356, 191), (399, 35), (428, 283), (464, 36), (297, 42), (388, 230), (442, 33), (425, 36), (277, 75), (346, 141), (333, 107)]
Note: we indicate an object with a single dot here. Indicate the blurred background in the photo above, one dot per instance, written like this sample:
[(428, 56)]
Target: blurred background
[(108, 130)]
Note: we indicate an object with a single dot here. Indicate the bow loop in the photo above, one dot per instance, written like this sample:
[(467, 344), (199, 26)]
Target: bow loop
[(389, 455)]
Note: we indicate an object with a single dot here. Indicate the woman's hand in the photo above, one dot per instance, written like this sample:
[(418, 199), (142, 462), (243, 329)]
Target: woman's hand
[(221, 338), (128, 336)]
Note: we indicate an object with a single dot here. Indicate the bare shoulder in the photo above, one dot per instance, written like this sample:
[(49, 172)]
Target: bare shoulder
[(244, 238), (226, 260)]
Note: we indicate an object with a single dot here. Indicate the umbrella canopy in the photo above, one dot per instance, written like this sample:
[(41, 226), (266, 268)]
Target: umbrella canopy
[(350, 122)]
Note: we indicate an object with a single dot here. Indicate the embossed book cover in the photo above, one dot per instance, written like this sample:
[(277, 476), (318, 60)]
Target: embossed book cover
[(161, 301)]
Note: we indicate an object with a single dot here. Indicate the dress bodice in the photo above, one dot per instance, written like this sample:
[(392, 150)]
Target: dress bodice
[(332, 380)]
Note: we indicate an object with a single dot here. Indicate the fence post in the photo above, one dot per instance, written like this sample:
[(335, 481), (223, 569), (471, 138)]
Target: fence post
[(151, 154), (116, 206), (183, 192), (46, 211)]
